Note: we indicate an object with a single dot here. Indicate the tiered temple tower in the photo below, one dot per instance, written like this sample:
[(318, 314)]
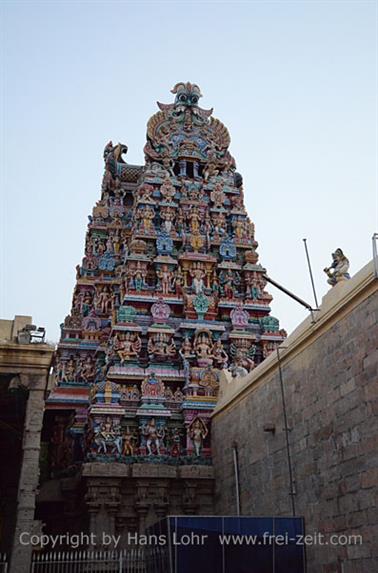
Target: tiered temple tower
[(169, 293)]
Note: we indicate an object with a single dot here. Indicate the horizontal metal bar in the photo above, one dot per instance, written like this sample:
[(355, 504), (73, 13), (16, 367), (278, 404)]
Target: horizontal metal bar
[(289, 293)]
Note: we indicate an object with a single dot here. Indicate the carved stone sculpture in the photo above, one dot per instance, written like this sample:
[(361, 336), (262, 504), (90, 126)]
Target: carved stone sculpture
[(338, 270)]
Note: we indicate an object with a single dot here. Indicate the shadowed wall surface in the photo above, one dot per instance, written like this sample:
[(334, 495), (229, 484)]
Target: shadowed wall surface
[(329, 373)]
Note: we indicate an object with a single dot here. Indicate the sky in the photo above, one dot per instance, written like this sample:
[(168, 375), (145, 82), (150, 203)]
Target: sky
[(294, 82)]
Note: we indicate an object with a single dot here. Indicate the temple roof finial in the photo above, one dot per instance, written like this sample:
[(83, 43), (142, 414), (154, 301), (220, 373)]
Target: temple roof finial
[(186, 93)]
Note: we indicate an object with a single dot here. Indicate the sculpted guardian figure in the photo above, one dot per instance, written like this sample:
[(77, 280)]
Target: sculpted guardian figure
[(338, 270)]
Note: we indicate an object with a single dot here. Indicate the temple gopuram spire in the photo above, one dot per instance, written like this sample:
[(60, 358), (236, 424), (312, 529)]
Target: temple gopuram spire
[(169, 293)]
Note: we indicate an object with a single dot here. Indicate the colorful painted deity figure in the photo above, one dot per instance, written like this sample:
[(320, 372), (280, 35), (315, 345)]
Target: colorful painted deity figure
[(220, 355), (179, 281), (175, 449), (154, 436), (127, 345), (211, 167), (168, 215), (99, 247), (197, 242), (198, 433), (195, 193), (103, 299), (116, 242), (186, 348), (209, 381), (239, 317), (249, 228), (215, 285), (87, 369), (145, 217), (239, 229), (198, 274), (254, 284), (202, 347), (194, 217), (338, 270), (130, 392), (180, 222), (87, 302), (68, 372), (178, 395), (243, 357), (219, 223), (207, 228), (138, 276), (167, 190), (152, 387), (129, 441), (165, 276), (144, 194), (161, 345), (168, 164), (160, 311), (77, 300), (218, 196), (109, 244), (168, 393), (230, 280), (107, 436)]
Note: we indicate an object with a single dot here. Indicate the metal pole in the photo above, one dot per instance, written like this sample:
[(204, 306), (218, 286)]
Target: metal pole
[(236, 473), (292, 490), (286, 291), (375, 254), (311, 276)]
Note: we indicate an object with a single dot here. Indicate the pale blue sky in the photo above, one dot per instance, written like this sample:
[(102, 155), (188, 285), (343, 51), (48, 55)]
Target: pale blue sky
[(295, 83)]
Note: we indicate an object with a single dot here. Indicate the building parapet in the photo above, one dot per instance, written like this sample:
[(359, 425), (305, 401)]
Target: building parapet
[(339, 301)]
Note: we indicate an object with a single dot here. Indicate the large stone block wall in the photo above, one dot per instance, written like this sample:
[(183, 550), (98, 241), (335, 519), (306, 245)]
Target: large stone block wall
[(330, 374)]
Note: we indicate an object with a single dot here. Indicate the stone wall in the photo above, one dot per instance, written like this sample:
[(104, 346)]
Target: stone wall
[(330, 377)]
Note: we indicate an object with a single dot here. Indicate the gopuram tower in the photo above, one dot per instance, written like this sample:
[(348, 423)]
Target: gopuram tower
[(169, 294)]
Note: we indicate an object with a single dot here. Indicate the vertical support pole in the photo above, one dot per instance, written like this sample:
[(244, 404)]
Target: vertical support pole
[(375, 254), (311, 275), (236, 473), (292, 489)]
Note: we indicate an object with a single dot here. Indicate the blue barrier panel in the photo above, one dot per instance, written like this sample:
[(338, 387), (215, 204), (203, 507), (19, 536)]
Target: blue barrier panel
[(221, 544)]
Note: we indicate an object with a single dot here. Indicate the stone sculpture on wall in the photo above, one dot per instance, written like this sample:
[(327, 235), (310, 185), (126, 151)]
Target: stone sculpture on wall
[(338, 270)]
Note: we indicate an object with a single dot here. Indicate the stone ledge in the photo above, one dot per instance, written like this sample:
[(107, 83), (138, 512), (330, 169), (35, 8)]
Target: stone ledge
[(198, 472), (153, 471), (99, 469), (25, 358)]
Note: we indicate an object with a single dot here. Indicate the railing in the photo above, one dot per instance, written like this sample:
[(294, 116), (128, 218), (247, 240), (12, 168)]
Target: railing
[(3, 563), (139, 560), (375, 254)]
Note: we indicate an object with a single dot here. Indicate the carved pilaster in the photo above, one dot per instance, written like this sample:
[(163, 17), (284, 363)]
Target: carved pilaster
[(189, 499), (103, 500), (29, 475), (142, 505), (161, 501)]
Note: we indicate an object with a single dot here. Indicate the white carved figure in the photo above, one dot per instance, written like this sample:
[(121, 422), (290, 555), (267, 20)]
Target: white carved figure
[(154, 436)]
